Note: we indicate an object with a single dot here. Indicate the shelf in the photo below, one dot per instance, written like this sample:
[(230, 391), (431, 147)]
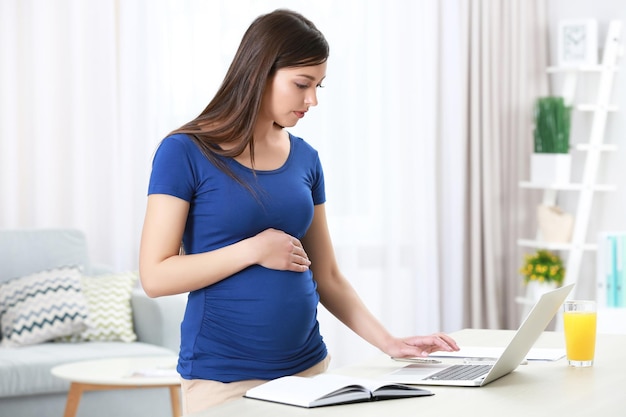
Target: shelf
[(589, 147), (594, 112), (582, 68), (596, 107), (568, 187), (538, 244), (525, 301)]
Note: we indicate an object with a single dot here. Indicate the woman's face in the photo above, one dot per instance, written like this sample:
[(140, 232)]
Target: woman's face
[(290, 93)]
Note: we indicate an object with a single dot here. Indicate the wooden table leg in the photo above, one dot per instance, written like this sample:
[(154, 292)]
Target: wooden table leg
[(76, 391), (73, 399), (175, 398)]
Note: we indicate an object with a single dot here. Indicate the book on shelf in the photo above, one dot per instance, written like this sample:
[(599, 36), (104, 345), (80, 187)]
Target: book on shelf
[(330, 389), (611, 275)]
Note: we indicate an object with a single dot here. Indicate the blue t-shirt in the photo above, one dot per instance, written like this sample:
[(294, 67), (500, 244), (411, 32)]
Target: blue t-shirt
[(258, 323)]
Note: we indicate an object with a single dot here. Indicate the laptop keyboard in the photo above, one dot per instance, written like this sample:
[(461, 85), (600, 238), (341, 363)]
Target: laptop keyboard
[(461, 372)]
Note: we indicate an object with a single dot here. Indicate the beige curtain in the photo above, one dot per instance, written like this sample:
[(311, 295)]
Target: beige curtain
[(507, 58)]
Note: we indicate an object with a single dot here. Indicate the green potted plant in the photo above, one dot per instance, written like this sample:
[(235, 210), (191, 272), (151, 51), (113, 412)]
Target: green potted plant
[(551, 161), (542, 271)]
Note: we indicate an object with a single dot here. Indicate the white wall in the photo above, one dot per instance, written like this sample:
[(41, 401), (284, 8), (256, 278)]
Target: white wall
[(609, 209)]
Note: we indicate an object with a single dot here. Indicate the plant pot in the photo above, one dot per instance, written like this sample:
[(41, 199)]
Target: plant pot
[(550, 168), (535, 289)]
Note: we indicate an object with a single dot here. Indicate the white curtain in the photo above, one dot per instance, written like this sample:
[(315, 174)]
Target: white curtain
[(88, 89), (390, 132)]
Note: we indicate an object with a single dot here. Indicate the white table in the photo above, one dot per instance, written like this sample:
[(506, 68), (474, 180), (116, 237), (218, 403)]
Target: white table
[(119, 373), (536, 389)]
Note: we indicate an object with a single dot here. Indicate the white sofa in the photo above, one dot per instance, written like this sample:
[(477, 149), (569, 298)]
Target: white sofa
[(27, 387)]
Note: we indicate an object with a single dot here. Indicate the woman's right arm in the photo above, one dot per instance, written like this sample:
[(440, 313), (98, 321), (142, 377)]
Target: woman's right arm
[(164, 271)]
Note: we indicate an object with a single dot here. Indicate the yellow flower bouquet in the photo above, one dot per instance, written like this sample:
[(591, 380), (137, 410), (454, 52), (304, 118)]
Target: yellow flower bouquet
[(543, 266)]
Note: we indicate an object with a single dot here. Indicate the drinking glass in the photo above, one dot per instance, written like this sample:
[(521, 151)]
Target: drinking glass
[(579, 324)]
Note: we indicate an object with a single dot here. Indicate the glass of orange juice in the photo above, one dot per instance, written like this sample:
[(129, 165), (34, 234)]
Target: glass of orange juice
[(579, 324)]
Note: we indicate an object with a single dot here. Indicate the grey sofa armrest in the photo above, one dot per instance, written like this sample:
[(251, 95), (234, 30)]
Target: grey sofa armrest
[(157, 320)]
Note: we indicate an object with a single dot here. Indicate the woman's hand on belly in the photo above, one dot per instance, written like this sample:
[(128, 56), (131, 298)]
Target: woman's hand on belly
[(275, 249)]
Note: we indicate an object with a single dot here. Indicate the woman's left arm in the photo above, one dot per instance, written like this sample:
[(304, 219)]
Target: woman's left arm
[(340, 298)]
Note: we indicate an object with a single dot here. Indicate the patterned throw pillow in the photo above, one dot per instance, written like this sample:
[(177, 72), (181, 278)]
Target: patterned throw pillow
[(110, 313), (41, 307)]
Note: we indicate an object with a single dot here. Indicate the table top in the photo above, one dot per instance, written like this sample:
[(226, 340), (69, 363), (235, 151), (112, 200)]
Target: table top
[(126, 371), (535, 389)]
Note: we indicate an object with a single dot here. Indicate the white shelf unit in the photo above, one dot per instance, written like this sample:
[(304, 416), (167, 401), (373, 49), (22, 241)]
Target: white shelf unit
[(569, 187), (594, 149)]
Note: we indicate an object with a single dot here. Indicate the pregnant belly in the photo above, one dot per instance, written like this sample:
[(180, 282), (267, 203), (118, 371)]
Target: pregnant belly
[(275, 311)]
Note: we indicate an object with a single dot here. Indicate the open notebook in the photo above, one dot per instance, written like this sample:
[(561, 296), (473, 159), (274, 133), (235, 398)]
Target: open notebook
[(476, 375)]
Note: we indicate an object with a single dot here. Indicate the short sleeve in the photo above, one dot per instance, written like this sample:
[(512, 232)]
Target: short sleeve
[(318, 188), (172, 169)]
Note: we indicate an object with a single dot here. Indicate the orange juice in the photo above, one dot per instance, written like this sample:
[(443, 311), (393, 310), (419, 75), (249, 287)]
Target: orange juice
[(580, 335)]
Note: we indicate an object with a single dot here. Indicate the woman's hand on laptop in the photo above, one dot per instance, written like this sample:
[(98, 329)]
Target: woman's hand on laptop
[(420, 346)]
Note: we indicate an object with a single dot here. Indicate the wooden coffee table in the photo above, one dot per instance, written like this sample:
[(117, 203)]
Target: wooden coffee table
[(120, 373)]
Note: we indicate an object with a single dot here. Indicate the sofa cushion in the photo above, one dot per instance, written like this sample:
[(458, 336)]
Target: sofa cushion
[(110, 314), (26, 370), (42, 306)]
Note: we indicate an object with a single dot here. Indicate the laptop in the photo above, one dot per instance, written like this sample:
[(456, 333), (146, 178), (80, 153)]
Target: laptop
[(477, 374)]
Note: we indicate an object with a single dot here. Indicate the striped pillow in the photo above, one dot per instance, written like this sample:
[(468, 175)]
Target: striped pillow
[(42, 306), (110, 313)]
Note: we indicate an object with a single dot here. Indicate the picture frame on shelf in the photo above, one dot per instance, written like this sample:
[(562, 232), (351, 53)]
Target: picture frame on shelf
[(577, 42)]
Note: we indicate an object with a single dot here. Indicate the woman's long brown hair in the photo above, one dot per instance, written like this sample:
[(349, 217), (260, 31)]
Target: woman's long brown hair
[(273, 41)]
